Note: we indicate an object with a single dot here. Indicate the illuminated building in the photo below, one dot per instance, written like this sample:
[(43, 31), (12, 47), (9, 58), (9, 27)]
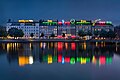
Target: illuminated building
[(69, 28)]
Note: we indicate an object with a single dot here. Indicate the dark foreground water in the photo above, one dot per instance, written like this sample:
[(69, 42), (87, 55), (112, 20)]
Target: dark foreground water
[(59, 61)]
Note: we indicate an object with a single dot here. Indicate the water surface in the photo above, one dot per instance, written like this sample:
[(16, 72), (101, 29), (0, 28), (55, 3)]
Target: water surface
[(59, 61)]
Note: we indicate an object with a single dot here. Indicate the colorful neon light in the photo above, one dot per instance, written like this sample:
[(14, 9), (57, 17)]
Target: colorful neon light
[(59, 58), (60, 46), (102, 60), (67, 59), (72, 60), (73, 46)]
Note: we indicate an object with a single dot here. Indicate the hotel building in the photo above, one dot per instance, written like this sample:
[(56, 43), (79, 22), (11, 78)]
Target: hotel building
[(57, 27)]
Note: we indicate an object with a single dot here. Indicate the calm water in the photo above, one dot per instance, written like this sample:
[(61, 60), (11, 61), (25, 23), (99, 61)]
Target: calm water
[(59, 61)]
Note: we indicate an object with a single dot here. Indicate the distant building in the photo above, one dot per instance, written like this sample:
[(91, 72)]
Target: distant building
[(117, 30), (57, 27)]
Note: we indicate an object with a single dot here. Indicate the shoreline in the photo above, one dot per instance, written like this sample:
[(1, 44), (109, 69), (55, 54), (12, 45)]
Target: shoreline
[(54, 40)]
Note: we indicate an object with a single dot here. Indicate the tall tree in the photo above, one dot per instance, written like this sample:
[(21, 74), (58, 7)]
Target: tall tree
[(96, 33), (63, 34), (42, 35), (14, 32), (111, 34), (3, 33), (52, 35), (81, 33), (31, 35), (103, 33)]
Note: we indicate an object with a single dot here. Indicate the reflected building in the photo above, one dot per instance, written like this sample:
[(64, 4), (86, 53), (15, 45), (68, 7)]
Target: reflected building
[(58, 52)]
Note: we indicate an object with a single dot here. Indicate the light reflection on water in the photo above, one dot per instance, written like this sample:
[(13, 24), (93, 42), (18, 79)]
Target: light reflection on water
[(59, 52)]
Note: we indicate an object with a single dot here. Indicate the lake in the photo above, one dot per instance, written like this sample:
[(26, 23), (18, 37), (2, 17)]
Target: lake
[(59, 61)]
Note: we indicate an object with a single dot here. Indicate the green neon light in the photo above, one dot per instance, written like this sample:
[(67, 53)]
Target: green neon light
[(45, 58), (54, 58), (109, 60), (85, 23), (50, 23), (78, 59), (87, 59), (72, 60)]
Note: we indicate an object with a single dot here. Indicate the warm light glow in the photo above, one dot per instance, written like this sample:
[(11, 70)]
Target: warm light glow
[(84, 45), (66, 46), (94, 60), (30, 59), (49, 59), (23, 60), (25, 21), (49, 20)]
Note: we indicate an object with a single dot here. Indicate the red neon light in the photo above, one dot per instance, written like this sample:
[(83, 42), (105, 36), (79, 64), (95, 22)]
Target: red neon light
[(59, 36), (67, 23), (60, 46), (73, 47), (59, 23), (67, 59), (59, 57), (102, 60), (73, 36)]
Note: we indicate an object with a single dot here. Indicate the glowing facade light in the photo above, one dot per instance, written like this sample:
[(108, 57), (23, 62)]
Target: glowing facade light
[(67, 23), (49, 20), (25, 21), (72, 21), (63, 21), (59, 23)]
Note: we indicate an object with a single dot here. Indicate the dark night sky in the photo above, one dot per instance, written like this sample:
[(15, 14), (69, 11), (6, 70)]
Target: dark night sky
[(60, 9)]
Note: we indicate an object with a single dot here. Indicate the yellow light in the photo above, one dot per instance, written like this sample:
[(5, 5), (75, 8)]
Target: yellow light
[(96, 44), (49, 20), (94, 60), (83, 60), (25, 21), (23, 60), (84, 45), (21, 21), (49, 59), (83, 21), (66, 45)]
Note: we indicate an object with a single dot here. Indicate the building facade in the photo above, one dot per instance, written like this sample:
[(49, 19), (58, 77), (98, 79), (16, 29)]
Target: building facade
[(57, 27)]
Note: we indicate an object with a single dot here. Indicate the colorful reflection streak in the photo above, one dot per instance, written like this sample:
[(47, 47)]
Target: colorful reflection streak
[(101, 60), (59, 52)]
